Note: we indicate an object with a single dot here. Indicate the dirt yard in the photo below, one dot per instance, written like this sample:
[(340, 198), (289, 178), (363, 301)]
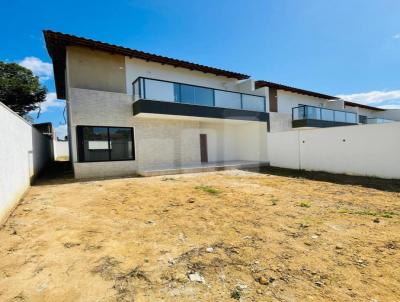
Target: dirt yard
[(220, 236)]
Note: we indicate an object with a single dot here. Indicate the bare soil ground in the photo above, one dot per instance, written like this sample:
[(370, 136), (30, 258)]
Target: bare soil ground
[(270, 236)]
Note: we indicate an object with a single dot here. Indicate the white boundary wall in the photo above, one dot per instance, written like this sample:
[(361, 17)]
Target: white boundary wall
[(61, 149), (367, 150), (24, 151)]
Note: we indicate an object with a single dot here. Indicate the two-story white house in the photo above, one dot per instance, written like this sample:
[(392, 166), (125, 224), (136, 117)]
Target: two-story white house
[(132, 112)]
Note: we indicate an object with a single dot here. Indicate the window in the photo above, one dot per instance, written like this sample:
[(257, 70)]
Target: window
[(187, 94), (105, 143)]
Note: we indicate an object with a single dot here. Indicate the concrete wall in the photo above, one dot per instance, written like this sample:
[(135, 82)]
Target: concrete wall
[(23, 154), (367, 150), (61, 149), (94, 69), (252, 141), (283, 149), (280, 121), (391, 114)]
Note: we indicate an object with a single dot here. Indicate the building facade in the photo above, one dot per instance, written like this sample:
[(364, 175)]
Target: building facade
[(131, 112)]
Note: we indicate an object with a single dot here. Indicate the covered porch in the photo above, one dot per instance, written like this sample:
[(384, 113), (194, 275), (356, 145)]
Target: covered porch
[(180, 144)]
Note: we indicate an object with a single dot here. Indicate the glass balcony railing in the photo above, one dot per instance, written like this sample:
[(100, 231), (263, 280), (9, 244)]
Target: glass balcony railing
[(305, 112), (160, 90), (377, 120)]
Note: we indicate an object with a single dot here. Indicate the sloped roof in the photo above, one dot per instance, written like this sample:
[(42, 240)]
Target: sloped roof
[(352, 104), (56, 43), (260, 84)]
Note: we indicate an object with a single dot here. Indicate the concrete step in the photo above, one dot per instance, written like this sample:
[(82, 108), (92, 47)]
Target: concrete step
[(209, 167)]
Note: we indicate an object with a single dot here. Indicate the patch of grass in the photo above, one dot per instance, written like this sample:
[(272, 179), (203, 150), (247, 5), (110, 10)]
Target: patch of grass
[(305, 204), (274, 201), (208, 189), (236, 293), (386, 214), (169, 179)]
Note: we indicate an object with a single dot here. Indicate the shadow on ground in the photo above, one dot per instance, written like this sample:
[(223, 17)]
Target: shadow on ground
[(57, 172), (388, 185), (60, 172)]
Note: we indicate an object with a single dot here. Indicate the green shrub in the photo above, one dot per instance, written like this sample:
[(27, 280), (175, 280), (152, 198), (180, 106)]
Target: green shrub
[(208, 189), (305, 204)]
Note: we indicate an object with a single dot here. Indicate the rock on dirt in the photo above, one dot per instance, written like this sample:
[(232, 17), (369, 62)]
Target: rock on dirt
[(262, 280), (196, 277), (181, 278)]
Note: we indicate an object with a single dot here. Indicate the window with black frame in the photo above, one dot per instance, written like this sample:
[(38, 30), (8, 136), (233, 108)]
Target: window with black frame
[(105, 143)]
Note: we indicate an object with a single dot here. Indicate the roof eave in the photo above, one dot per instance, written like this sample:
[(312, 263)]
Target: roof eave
[(353, 104), (57, 42), (260, 84)]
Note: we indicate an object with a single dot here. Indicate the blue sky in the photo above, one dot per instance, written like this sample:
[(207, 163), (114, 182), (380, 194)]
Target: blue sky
[(344, 47)]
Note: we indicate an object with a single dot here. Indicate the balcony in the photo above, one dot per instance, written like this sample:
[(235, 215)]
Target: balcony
[(165, 97), (311, 116), (376, 120)]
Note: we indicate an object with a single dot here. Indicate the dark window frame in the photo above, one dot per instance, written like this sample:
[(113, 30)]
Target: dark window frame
[(80, 143)]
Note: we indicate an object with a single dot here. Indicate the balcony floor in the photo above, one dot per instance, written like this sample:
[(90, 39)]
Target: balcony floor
[(145, 106), (310, 123), (169, 169)]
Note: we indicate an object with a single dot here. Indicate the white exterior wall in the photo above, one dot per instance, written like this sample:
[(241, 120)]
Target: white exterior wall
[(280, 121), (283, 149), (61, 149), (288, 100), (221, 142), (391, 114), (337, 104), (23, 154), (135, 68), (362, 111), (367, 150), (235, 141), (252, 141)]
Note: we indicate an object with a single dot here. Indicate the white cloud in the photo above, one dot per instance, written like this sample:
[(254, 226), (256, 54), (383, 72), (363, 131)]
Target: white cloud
[(393, 106), (396, 36), (50, 102), (39, 68), (61, 131), (377, 98)]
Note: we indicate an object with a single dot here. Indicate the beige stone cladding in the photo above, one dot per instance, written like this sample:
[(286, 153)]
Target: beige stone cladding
[(167, 141), (157, 141)]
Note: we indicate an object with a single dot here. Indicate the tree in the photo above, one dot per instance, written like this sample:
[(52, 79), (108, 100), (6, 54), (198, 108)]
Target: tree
[(20, 89)]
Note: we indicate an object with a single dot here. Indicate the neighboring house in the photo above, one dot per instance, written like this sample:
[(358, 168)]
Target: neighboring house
[(46, 129), (135, 112)]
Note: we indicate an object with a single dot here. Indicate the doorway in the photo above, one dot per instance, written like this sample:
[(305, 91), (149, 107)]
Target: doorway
[(203, 148)]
